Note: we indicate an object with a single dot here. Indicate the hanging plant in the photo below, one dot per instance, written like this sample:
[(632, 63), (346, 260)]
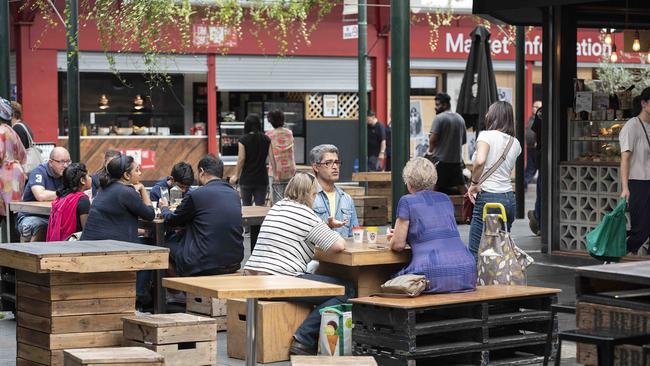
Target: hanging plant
[(157, 28)]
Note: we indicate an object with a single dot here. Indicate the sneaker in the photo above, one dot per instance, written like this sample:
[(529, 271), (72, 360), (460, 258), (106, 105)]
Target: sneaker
[(300, 349), (532, 222), (175, 298)]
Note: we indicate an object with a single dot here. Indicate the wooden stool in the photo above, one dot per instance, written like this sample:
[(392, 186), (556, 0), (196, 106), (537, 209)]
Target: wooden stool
[(115, 356), (605, 341), (183, 339), (276, 323), (333, 361)]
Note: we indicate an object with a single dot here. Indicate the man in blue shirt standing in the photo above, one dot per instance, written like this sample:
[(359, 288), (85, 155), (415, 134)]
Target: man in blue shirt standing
[(332, 204), (42, 185)]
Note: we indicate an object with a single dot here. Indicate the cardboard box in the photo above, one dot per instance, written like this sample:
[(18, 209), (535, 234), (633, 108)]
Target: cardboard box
[(276, 322)]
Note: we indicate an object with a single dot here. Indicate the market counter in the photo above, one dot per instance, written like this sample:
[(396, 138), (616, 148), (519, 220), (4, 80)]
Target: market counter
[(157, 154)]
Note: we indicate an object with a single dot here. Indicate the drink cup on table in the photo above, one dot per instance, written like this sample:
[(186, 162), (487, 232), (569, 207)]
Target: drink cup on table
[(357, 234), (372, 232)]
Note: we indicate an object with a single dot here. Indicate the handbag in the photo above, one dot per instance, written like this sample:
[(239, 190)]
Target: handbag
[(468, 205), (607, 242), (34, 157), (408, 285), (500, 260)]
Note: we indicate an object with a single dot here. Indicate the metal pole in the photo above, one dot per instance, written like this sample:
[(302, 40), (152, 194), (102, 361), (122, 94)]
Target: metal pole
[(400, 94), (251, 343), (520, 87), (72, 38), (363, 86), (5, 83)]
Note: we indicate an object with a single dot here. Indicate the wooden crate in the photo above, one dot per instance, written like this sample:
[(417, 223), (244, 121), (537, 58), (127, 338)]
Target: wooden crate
[(353, 191), (457, 201), (116, 356), (70, 310), (183, 339), (379, 184), (205, 305), (591, 316), (371, 210), (277, 321)]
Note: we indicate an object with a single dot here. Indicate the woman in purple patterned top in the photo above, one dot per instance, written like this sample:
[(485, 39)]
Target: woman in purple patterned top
[(425, 220)]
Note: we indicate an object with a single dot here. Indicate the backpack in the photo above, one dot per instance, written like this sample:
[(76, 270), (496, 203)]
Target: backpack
[(34, 157)]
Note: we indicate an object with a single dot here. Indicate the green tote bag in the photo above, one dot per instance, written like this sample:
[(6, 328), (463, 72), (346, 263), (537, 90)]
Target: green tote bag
[(607, 241)]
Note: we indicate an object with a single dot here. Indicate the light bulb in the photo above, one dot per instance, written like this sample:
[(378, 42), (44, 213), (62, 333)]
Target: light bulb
[(608, 37), (636, 45), (613, 57), (648, 57)]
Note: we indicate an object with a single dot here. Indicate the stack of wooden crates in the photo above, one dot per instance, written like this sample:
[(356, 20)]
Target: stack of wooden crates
[(183, 339), (207, 306), (379, 189)]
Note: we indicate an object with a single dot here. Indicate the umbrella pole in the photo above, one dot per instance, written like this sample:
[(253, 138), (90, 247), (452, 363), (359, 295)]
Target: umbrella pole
[(520, 101), (363, 87), (400, 94), (5, 84)]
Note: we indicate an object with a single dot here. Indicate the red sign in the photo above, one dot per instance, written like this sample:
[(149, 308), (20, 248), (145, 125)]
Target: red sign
[(146, 158)]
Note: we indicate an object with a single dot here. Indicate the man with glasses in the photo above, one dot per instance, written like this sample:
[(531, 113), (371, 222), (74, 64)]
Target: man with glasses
[(332, 205), (42, 185)]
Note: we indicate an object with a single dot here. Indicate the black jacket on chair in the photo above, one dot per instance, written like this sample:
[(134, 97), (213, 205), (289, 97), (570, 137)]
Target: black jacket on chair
[(212, 218)]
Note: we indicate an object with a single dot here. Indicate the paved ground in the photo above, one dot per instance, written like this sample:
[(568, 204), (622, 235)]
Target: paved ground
[(546, 272)]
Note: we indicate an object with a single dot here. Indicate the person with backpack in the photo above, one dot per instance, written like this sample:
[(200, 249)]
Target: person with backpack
[(281, 159)]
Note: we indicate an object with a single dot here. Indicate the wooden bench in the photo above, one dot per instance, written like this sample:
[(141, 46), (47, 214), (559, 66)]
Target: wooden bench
[(507, 325), (333, 361), (115, 356)]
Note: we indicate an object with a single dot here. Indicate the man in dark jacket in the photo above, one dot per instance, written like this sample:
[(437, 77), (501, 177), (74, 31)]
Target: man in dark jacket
[(211, 215)]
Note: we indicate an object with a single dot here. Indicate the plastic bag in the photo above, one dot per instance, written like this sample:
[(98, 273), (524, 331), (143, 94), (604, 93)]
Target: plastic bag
[(335, 336), (607, 241)]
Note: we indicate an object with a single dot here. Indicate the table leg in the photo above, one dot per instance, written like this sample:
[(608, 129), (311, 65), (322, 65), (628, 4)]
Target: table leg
[(251, 343), (159, 299), (255, 232)]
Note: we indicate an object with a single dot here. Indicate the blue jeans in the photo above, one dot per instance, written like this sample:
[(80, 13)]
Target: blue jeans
[(476, 226), (307, 334)]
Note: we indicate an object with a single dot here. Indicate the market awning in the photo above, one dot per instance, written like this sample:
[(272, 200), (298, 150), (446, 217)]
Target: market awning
[(134, 63), (588, 13)]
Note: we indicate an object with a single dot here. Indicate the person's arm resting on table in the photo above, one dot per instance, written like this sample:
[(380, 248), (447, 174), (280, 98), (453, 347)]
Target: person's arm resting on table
[(43, 194), (325, 239), (397, 238), (183, 214)]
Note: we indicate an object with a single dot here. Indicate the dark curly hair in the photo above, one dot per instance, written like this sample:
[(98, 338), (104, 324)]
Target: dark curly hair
[(72, 175)]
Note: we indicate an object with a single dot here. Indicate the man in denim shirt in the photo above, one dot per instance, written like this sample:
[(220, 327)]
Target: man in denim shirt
[(332, 205)]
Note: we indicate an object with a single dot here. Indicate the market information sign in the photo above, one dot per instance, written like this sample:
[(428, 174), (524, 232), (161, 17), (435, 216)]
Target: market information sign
[(213, 36)]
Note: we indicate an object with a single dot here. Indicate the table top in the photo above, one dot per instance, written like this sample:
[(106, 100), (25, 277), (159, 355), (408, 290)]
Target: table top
[(364, 254), (36, 208), (482, 294), (83, 256), (638, 272), (333, 361), (244, 287)]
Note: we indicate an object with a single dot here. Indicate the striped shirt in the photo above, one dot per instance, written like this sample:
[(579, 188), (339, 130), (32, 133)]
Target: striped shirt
[(288, 238)]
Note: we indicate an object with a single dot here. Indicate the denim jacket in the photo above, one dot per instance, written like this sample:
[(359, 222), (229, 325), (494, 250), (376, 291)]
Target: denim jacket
[(345, 210)]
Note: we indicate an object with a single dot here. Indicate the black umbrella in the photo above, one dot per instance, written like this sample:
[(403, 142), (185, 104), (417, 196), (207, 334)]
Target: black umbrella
[(479, 87)]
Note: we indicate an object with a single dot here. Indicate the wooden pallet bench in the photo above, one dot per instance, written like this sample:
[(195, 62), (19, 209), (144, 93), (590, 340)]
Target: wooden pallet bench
[(504, 325)]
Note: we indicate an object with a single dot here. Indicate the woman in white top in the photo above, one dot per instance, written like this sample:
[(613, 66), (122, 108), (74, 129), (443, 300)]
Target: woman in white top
[(497, 187), (288, 238)]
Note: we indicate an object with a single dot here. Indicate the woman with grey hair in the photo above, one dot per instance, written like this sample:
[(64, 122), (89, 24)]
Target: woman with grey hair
[(425, 220)]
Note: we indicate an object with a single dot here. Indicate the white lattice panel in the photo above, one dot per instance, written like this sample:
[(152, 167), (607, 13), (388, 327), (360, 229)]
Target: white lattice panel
[(347, 104)]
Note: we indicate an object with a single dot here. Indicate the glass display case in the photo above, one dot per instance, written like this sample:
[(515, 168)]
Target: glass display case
[(229, 134), (594, 140)]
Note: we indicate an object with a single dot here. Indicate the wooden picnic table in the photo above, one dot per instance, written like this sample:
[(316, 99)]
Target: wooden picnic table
[(366, 265), (74, 294), (252, 288)]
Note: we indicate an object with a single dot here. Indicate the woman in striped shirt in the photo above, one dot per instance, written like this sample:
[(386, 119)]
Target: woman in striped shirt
[(289, 235)]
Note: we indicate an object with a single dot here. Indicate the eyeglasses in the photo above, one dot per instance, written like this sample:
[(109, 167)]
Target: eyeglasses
[(311, 176), (64, 162), (331, 163)]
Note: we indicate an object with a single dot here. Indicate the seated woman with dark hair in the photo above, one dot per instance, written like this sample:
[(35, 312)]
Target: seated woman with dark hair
[(71, 206), (425, 220), (115, 212)]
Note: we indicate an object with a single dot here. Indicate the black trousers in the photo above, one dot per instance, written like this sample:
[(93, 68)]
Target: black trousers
[(639, 207)]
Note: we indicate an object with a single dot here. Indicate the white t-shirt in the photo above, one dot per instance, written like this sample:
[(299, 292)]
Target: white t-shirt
[(632, 139), (499, 181), (288, 238)]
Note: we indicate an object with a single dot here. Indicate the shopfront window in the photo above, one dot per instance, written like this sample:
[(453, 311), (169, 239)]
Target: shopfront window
[(110, 106)]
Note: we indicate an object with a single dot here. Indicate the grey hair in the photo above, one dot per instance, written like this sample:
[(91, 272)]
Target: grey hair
[(316, 154), (420, 174)]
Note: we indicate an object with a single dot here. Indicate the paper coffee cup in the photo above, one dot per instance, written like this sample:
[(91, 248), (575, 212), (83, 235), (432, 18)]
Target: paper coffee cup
[(357, 234), (372, 234)]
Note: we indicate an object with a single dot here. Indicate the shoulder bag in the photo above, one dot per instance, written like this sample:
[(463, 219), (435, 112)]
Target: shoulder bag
[(644, 130), (34, 158), (408, 285), (468, 206)]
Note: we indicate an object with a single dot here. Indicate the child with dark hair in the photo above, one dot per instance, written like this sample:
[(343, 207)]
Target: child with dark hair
[(182, 176), (71, 206)]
